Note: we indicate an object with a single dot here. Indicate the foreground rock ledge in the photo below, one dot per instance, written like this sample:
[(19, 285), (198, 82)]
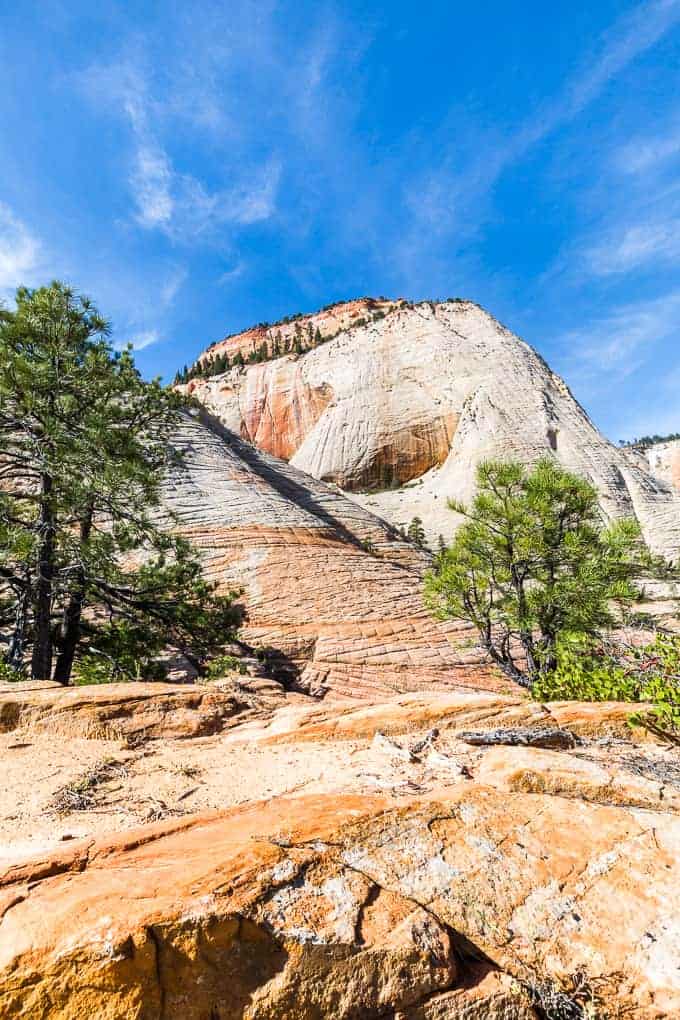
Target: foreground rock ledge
[(474, 903)]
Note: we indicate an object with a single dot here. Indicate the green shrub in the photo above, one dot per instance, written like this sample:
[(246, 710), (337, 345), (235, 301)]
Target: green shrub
[(585, 675), (97, 668), (661, 686), (8, 674), (648, 673), (222, 664)]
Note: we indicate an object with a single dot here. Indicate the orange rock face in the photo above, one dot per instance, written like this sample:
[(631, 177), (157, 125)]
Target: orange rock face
[(280, 408), (341, 907), (332, 591)]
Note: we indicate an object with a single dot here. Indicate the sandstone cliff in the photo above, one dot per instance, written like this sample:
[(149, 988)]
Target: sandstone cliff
[(332, 591), (664, 461), (400, 406)]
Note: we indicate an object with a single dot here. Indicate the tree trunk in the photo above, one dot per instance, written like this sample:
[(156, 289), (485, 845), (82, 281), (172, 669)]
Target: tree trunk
[(41, 664), (15, 653), (70, 626), (507, 665)]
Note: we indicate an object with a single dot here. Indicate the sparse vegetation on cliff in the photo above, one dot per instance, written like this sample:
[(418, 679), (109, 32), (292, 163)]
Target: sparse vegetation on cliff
[(274, 344), (644, 442)]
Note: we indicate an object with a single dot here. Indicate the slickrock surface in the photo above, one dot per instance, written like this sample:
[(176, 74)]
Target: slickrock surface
[(332, 590), (424, 394), (354, 906), (68, 776), (135, 710), (407, 874)]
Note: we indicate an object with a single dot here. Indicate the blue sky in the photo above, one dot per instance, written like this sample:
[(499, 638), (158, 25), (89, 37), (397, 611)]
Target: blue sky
[(197, 167)]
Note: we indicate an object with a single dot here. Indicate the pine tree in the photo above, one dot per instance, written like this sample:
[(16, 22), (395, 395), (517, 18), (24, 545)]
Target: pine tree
[(533, 564), (416, 532), (83, 451), (318, 339)]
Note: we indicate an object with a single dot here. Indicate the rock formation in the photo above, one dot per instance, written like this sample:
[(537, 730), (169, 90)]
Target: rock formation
[(421, 878), (664, 461), (404, 401), (331, 590)]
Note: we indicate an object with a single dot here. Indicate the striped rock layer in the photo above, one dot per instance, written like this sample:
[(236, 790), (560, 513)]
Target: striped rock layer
[(420, 394), (333, 592)]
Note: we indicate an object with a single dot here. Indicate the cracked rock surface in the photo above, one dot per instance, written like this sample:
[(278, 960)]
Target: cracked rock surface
[(411, 875)]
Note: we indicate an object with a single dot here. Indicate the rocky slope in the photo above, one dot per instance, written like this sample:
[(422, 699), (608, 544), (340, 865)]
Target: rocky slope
[(664, 461), (415, 875), (404, 401), (331, 591)]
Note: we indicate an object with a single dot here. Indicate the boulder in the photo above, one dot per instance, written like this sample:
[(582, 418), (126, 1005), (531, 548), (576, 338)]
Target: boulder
[(130, 711), (436, 908)]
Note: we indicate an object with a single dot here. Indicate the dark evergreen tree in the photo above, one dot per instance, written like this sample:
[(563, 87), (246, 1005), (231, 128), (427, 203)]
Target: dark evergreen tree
[(83, 451), (416, 532)]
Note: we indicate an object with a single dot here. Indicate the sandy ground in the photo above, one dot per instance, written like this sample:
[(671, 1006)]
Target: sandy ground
[(47, 777), (58, 788)]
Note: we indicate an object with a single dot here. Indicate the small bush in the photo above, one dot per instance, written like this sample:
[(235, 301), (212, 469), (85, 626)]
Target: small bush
[(97, 669), (583, 675), (222, 664), (8, 674), (647, 673)]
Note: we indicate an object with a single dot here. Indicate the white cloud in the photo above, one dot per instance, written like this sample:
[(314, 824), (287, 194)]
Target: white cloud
[(166, 199), (232, 274), (636, 245), (645, 153), (139, 340), (618, 343), (21, 255), (151, 181), (145, 339), (171, 287)]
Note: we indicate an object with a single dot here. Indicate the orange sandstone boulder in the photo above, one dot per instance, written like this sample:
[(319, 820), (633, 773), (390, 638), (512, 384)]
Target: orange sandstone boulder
[(344, 906), (131, 710)]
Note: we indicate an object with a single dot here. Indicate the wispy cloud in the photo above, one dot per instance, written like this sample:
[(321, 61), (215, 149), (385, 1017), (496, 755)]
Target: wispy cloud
[(138, 340), (616, 344), (230, 275), (453, 201), (165, 198), (21, 253), (647, 152), (171, 287), (151, 180), (145, 339), (636, 245)]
